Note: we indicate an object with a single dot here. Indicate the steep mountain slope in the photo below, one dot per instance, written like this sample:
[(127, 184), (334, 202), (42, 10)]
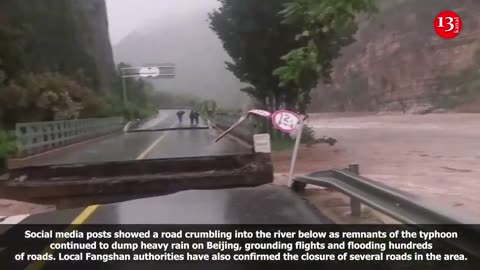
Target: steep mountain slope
[(56, 35), (399, 62), (96, 39), (187, 41)]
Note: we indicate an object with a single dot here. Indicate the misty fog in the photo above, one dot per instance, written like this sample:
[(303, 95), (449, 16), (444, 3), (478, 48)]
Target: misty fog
[(161, 31)]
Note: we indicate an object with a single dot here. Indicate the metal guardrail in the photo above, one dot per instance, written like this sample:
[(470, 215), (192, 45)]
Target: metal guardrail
[(37, 137), (132, 125), (245, 131), (397, 204), (394, 203)]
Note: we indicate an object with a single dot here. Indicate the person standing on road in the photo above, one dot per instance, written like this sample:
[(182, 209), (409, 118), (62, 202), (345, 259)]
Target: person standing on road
[(180, 116), (194, 118)]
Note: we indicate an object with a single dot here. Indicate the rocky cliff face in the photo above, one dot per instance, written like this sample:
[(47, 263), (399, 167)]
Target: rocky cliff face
[(399, 63), (64, 36), (95, 40)]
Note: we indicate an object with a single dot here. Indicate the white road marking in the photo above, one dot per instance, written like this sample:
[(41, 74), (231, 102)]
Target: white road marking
[(125, 128), (10, 220), (157, 120), (154, 144)]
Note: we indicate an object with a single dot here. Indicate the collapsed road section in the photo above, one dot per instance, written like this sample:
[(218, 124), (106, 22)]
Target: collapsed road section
[(136, 165), (84, 184)]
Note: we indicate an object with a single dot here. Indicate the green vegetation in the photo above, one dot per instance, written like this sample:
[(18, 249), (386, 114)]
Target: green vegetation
[(143, 100), (44, 36), (283, 48), (326, 26), (7, 147), (44, 73), (138, 93), (253, 35), (48, 72), (45, 97), (49, 96), (282, 144)]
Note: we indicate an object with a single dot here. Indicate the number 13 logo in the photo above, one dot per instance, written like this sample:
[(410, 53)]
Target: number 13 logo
[(448, 24)]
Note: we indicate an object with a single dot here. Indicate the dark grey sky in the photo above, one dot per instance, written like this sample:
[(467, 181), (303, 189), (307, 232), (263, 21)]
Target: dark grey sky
[(127, 15)]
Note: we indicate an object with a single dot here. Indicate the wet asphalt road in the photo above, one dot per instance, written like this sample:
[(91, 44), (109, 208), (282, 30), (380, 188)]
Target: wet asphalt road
[(267, 204), (148, 145)]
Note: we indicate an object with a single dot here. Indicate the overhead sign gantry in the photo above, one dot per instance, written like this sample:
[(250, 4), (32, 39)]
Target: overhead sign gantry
[(164, 71)]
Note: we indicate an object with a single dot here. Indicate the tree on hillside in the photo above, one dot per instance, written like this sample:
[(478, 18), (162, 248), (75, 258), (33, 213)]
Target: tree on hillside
[(12, 52), (253, 36), (43, 36), (326, 27), (283, 47), (46, 97)]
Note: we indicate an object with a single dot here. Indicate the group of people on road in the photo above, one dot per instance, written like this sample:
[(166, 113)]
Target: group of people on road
[(194, 116)]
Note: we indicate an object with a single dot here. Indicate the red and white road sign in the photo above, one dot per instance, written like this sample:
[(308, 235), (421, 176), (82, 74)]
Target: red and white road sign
[(285, 121)]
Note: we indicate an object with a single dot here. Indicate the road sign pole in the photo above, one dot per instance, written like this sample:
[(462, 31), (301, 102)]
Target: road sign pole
[(124, 92), (295, 151)]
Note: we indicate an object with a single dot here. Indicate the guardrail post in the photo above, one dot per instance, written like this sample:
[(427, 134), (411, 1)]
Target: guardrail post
[(355, 168), (298, 186), (355, 204)]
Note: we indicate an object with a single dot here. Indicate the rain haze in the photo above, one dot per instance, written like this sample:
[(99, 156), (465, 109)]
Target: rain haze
[(160, 31), (375, 100)]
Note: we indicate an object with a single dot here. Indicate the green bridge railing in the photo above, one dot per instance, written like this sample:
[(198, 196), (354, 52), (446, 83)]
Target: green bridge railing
[(38, 137)]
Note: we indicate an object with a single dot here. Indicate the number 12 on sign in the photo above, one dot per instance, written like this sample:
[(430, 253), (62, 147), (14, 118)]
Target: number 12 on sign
[(285, 121)]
